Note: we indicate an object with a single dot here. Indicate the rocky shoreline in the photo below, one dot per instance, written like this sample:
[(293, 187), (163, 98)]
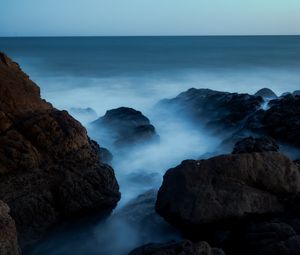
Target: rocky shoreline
[(244, 202)]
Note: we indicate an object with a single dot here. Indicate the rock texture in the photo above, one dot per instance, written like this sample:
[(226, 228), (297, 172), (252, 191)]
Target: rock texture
[(280, 121), (266, 93), (217, 110), (251, 144), (177, 248), (49, 168), (8, 233), (240, 115), (126, 127), (226, 187)]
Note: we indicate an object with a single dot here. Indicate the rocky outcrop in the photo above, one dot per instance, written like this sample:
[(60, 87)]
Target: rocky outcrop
[(251, 144), (280, 121), (8, 233), (177, 248), (217, 110), (240, 115), (126, 127), (266, 93), (226, 187), (49, 168)]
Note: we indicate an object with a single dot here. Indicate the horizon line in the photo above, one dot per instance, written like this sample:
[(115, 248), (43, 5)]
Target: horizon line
[(213, 35)]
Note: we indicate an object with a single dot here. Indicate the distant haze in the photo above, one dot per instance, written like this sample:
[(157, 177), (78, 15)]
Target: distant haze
[(148, 17)]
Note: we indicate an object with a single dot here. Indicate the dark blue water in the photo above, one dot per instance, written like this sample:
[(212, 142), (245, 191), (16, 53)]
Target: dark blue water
[(108, 72)]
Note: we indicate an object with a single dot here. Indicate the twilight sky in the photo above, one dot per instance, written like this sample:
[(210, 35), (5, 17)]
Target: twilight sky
[(148, 17)]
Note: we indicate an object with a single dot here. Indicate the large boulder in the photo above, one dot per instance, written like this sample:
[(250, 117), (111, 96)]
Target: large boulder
[(216, 109), (8, 233), (126, 126), (49, 167), (226, 187), (266, 93), (177, 248)]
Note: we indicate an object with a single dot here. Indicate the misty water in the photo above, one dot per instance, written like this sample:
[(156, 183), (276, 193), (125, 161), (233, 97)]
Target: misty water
[(108, 72)]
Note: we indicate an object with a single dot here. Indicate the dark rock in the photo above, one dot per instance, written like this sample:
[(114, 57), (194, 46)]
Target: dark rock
[(265, 238), (266, 93), (251, 144), (177, 248), (8, 233), (225, 188), (296, 93), (281, 121), (49, 167), (218, 110), (126, 127)]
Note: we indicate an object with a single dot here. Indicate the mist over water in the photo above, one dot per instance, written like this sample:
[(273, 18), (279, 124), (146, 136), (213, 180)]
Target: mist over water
[(137, 72)]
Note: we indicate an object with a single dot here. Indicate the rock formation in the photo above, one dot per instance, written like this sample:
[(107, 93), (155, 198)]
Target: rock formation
[(266, 93), (226, 187), (217, 110), (126, 127), (49, 167)]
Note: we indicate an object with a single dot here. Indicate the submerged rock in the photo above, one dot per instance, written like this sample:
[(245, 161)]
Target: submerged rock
[(177, 248), (251, 144), (226, 187), (266, 93), (8, 233), (126, 127), (49, 167)]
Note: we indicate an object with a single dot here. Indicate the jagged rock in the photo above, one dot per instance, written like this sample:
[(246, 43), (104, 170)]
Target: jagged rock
[(266, 93), (280, 121), (177, 248), (49, 167), (251, 144), (126, 127), (8, 233), (218, 110), (226, 187)]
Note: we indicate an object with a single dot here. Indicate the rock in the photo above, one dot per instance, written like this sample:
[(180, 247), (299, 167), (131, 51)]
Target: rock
[(227, 187), (49, 167), (266, 93), (265, 238), (126, 127), (8, 233), (181, 248), (296, 93), (280, 121), (217, 110), (250, 144)]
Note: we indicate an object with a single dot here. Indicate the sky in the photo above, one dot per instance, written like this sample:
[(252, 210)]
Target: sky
[(148, 17)]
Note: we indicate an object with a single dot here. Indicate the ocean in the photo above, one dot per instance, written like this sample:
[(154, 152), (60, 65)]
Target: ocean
[(108, 72)]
